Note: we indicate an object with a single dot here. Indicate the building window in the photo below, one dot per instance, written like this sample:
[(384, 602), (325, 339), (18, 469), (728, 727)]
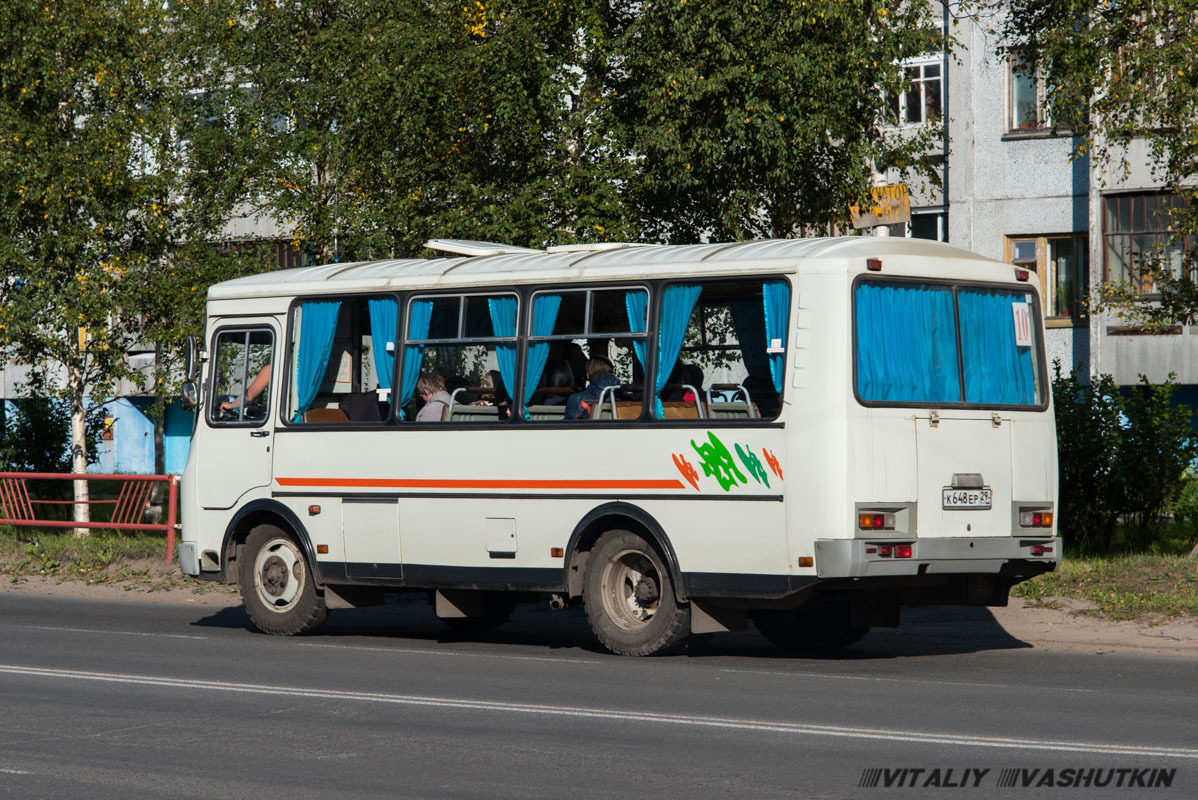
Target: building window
[(1138, 232), (923, 100), (1026, 97), (923, 225), (1061, 264)]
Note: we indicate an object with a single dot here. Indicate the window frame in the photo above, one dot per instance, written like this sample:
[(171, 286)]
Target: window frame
[(211, 395), (955, 286), (412, 297), (587, 333), (1161, 235), (754, 277), (1018, 66), (289, 353), (898, 101), (1046, 272)]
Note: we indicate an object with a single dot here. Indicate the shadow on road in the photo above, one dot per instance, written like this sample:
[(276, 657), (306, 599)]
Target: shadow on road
[(925, 631)]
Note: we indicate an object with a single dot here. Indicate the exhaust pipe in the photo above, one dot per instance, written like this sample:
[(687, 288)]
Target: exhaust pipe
[(557, 602)]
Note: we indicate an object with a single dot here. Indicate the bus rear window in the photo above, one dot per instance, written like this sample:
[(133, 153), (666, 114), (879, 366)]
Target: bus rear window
[(938, 344)]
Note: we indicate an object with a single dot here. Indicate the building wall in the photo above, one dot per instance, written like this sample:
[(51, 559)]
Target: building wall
[(1004, 184)]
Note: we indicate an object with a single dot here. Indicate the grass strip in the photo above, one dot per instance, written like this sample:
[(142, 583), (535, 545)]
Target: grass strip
[(133, 560), (1129, 587)]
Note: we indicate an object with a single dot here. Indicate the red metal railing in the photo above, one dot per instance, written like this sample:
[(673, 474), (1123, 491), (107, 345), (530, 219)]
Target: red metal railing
[(17, 507)]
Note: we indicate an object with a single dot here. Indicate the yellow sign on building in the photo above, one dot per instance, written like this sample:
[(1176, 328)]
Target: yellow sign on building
[(892, 204)]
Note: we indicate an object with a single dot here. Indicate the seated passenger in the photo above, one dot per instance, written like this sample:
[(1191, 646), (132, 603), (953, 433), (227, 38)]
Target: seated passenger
[(455, 382), (494, 394), (684, 375), (431, 389), (558, 375), (599, 373)]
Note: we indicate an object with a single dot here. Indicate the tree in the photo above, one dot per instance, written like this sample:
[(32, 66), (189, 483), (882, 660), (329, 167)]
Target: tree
[(754, 118), (1117, 71), (85, 192), (382, 123)]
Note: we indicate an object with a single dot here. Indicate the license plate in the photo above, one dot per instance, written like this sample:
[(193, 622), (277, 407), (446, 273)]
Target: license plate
[(966, 499)]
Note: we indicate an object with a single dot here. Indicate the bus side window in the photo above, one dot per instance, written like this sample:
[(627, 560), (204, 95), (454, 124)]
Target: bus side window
[(466, 342), (723, 349), (576, 332), (343, 360)]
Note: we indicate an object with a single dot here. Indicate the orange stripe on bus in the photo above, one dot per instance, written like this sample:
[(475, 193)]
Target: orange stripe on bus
[(441, 483)]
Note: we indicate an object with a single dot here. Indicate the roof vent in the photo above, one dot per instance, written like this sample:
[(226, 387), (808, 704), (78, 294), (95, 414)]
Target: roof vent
[(468, 247), (593, 247)]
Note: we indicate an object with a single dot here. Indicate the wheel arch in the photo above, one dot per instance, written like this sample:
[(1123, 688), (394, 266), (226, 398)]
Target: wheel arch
[(617, 516), (263, 512)]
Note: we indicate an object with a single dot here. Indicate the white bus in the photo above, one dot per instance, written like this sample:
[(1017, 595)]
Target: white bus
[(803, 434)]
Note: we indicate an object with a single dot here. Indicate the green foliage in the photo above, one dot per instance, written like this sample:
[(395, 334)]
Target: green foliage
[(36, 437), (540, 124), (757, 117), (1121, 457)]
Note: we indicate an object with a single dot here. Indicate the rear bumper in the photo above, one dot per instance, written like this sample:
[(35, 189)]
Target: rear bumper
[(849, 558)]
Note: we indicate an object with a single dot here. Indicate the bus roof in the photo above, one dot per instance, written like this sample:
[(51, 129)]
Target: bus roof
[(495, 262)]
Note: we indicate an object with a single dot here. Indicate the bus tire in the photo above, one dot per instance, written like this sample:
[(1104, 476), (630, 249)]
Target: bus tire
[(276, 584), (630, 599), (809, 631)]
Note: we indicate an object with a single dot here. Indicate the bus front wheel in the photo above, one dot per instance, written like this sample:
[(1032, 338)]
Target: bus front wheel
[(276, 584), (630, 600)]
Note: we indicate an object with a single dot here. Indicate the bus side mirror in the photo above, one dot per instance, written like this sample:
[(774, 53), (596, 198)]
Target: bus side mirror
[(190, 359), (189, 395)]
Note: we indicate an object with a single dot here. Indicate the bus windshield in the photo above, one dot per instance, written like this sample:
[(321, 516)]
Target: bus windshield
[(938, 344)]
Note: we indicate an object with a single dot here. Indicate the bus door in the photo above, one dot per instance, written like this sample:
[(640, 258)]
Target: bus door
[(238, 413)]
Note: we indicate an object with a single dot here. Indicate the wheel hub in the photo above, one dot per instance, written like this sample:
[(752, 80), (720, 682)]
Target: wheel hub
[(646, 592), (275, 576)]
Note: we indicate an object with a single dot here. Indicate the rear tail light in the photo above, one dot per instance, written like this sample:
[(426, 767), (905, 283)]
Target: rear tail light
[(1035, 519), (1041, 549), (875, 521), (890, 550), (1021, 275)]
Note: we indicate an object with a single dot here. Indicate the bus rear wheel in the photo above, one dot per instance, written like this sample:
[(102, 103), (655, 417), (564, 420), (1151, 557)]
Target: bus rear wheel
[(276, 584), (809, 630), (630, 599)]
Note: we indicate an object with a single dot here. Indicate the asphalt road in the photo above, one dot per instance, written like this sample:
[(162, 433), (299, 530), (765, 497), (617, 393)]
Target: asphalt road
[(132, 700)]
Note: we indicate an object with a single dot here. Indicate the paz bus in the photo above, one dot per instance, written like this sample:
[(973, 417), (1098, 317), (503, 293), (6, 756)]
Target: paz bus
[(801, 434)]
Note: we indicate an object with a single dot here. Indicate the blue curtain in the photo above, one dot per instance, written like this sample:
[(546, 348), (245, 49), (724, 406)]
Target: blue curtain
[(996, 371), (419, 315), (748, 318), (777, 304), (318, 323), (636, 303), (906, 344), (544, 317), (677, 303), (384, 319), (503, 323)]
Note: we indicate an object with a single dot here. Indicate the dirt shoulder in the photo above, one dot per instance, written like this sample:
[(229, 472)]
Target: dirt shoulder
[(1051, 625)]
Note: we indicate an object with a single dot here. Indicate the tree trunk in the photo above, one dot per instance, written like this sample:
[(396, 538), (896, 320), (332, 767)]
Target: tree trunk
[(79, 449)]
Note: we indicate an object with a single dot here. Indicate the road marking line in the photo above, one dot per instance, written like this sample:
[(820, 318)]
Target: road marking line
[(113, 633), (877, 679), (15, 771), (582, 712), (406, 651)]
